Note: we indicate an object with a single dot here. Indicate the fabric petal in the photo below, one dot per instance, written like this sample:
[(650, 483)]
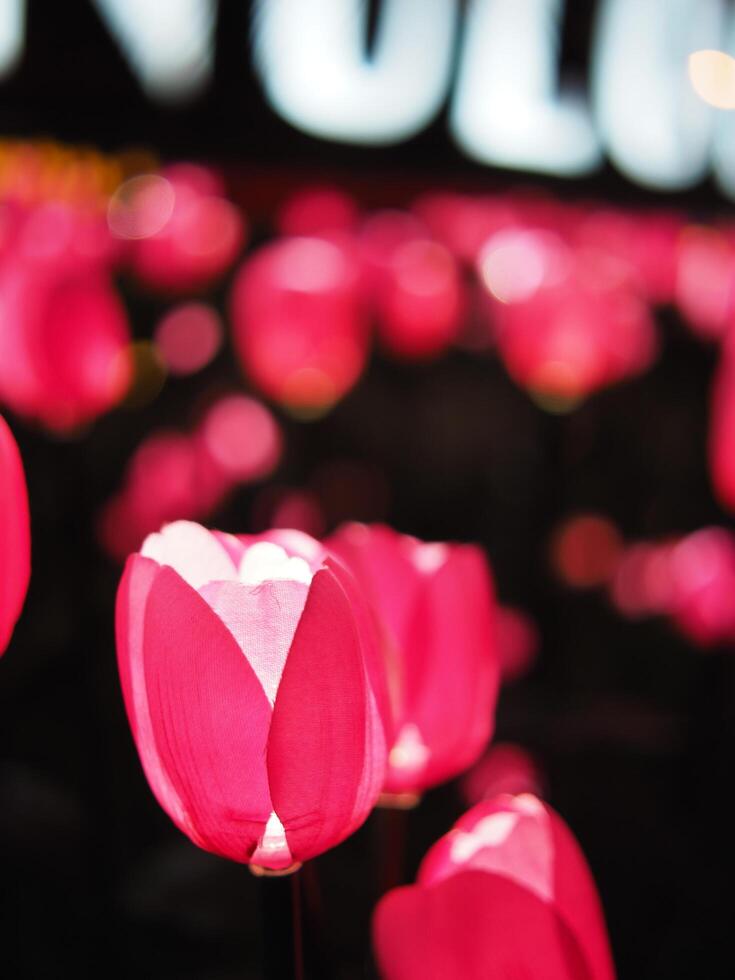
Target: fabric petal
[(451, 668), (132, 600), (475, 926), (210, 718), (263, 620), (191, 550), (317, 746), (15, 535)]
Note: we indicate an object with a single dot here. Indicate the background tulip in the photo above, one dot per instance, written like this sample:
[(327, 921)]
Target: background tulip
[(252, 691), (507, 893), (436, 607), (15, 535)]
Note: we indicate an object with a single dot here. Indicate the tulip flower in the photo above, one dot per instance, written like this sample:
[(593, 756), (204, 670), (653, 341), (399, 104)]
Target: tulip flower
[(507, 893), (298, 320), (64, 346), (435, 603), (15, 535), (253, 691), (198, 235), (702, 581)]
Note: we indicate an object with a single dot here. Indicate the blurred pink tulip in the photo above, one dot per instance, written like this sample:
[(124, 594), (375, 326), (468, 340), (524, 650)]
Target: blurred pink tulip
[(200, 237), (436, 606), (505, 768), (15, 535), (507, 893), (298, 321), (64, 347), (518, 642), (703, 586), (252, 684)]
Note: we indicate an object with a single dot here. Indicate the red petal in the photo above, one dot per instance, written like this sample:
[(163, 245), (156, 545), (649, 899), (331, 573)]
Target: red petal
[(132, 599), (451, 666), (319, 744), (15, 535), (210, 718), (474, 926)]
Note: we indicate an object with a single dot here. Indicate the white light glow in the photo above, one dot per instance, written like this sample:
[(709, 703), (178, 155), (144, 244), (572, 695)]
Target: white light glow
[(312, 61), (656, 130), (506, 109)]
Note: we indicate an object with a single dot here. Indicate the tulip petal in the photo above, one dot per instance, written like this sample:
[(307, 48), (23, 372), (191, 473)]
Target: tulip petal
[(15, 538), (451, 665), (210, 718), (132, 600), (191, 550), (317, 747), (263, 619), (475, 926)]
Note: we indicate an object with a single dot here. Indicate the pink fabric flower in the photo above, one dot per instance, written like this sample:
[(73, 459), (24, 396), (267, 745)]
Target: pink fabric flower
[(507, 893), (253, 690), (436, 605), (299, 325), (15, 535)]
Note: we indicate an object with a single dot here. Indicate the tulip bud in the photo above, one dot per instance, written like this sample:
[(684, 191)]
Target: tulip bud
[(253, 690), (15, 535), (506, 893), (436, 607)]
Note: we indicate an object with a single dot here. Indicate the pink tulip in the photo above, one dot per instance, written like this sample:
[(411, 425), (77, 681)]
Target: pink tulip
[(518, 642), (64, 346), (253, 690), (505, 768), (436, 606), (15, 535), (200, 237), (507, 893), (703, 585), (299, 325)]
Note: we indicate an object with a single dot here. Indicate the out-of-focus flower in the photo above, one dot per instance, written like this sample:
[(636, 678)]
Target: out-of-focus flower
[(188, 337), (703, 586), (463, 223), (15, 535), (420, 301), (183, 233), (585, 549), (690, 580), (504, 769), (436, 606), (705, 283), (252, 687), (176, 475), (507, 893), (566, 323), (641, 585), (299, 323), (518, 642), (64, 346)]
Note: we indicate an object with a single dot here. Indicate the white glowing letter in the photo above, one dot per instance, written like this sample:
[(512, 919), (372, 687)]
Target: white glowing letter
[(506, 109), (724, 148), (316, 74), (657, 131), (169, 44), (12, 22)]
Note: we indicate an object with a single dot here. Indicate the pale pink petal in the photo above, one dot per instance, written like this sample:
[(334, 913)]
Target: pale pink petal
[(210, 718), (263, 619), (317, 747), (191, 550)]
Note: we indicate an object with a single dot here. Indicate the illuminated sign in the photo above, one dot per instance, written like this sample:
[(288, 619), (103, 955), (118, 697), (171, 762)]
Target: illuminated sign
[(494, 63)]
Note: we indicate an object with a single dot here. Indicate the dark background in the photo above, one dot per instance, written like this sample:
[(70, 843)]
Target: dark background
[(632, 726)]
